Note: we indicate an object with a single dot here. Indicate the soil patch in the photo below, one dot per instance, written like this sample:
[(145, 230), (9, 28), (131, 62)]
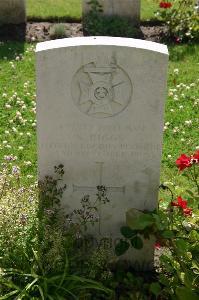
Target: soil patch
[(41, 31)]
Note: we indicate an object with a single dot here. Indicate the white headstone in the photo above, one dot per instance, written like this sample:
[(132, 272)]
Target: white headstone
[(100, 105), (122, 8), (12, 11)]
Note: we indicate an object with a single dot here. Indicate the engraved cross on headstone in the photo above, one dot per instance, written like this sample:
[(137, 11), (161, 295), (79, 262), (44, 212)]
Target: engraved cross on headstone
[(115, 189)]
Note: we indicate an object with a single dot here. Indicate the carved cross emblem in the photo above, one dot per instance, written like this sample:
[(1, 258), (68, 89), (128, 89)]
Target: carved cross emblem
[(104, 90), (116, 189)]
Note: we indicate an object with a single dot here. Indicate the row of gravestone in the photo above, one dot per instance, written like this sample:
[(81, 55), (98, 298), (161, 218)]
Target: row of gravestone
[(14, 11)]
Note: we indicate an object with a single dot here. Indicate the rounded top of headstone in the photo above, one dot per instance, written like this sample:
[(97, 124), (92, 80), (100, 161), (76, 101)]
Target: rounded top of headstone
[(102, 41)]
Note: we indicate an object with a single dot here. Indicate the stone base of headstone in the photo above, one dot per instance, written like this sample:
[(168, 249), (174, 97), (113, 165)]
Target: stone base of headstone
[(124, 8), (12, 11)]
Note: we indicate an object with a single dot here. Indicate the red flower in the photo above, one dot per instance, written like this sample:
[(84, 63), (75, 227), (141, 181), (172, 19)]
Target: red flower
[(177, 40), (157, 246), (165, 4), (187, 211), (180, 203), (183, 162), (183, 205)]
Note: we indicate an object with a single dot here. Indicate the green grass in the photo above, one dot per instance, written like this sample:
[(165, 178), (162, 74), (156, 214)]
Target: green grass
[(72, 9), (13, 133)]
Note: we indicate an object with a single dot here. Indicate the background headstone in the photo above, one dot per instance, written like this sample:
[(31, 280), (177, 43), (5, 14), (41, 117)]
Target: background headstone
[(122, 8), (12, 11), (100, 105)]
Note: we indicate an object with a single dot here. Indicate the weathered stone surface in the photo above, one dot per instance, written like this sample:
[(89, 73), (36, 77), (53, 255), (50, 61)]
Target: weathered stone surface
[(123, 8), (100, 105), (12, 11)]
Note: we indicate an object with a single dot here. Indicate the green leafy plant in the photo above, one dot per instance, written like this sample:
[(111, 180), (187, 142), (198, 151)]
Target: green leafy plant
[(44, 272), (176, 228), (182, 19), (97, 24), (58, 31)]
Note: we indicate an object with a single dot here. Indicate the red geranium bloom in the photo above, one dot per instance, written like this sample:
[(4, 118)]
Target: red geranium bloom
[(164, 4), (183, 162), (187, 211), (157, 246), (180, 203)]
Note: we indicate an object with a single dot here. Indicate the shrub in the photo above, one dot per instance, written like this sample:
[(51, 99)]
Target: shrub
[(95, 23), (182, 19), (175, 227), (58, 31), (34, 249)]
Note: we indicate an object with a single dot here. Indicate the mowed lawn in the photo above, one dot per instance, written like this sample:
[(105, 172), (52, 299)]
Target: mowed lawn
[(72, 9)]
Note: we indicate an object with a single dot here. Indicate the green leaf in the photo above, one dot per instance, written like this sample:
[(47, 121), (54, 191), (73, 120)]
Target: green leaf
[(190, 193), (7, 296), (189, 278), (127, 232), (121, 247), (167, 234), (155, 288), (138, 220), (184, 293), (182, 245), (137, 242)]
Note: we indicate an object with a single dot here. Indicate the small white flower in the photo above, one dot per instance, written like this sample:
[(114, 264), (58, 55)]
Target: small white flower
[(169, 156), (8, 106), (27, 163), (20, 148), (182, 140), (188, 122), (18, 113), (181, 107), (176, 71), (28, 134), (29, 176), (175, 97)]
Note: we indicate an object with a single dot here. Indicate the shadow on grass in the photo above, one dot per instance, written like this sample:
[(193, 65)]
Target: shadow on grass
[(10, 32), (54, 19), (10, 49)]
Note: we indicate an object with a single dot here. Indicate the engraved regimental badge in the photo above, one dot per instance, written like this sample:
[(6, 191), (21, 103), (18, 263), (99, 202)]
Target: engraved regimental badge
[(101, 91)]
